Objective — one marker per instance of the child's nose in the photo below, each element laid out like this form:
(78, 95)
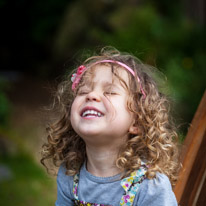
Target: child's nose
(93, 96)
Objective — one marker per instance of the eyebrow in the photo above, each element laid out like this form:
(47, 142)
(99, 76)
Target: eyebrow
(104, 83)
(112, 85)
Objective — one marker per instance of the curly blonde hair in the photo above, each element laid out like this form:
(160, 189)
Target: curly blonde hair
(155, 143)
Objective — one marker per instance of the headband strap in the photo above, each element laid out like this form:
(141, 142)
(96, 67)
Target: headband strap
(81, 69)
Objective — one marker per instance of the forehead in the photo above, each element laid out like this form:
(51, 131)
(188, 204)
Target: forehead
(108, 73)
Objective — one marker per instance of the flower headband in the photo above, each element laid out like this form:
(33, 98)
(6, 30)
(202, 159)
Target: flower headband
(76, 77)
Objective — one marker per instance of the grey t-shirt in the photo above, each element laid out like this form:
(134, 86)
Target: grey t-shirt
(108, 190)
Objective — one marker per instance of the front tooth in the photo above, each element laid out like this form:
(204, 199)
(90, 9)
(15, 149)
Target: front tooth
(85, 113)
(91, 112)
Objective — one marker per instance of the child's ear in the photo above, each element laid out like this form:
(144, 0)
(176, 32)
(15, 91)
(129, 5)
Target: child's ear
(133, 129)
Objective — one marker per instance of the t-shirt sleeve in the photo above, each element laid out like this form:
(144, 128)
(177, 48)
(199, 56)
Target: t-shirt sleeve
(64, 188)
(156, 192)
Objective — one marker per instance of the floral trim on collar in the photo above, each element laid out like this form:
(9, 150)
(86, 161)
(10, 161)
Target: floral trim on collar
(75, 185)
(82, 203)
(131, 185)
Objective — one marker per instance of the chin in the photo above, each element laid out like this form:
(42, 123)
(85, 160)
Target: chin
(88, 134)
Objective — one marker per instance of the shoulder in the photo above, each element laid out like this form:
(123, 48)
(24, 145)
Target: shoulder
(157, 191)
(64, 187)
(62, 177)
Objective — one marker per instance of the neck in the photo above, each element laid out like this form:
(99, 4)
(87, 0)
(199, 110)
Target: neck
(101, 162)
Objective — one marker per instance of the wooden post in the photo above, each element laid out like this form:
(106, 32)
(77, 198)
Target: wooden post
(192, 178)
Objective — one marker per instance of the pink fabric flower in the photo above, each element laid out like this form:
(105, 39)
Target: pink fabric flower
(80, 69)
(77, 76)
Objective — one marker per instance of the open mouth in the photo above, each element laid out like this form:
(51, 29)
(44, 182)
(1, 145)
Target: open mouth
(91, 113)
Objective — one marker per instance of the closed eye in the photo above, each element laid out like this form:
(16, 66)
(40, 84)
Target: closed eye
(111, 89)
(111, 93)
(83, 91)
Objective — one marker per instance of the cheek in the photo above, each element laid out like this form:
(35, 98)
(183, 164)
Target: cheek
(109, 106)
(72, 115)
(74, 109)
(124, 110)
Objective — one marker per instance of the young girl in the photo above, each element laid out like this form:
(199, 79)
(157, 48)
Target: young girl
(113, 137)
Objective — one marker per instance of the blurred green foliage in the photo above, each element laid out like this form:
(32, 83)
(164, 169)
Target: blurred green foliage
(5, 106)
(27, 184)
(22, 180)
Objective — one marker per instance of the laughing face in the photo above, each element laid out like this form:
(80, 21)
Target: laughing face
(99, 113)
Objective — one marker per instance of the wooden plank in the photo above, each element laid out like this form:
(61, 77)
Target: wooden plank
(193, 186)
(202, 197)
(191, 147)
